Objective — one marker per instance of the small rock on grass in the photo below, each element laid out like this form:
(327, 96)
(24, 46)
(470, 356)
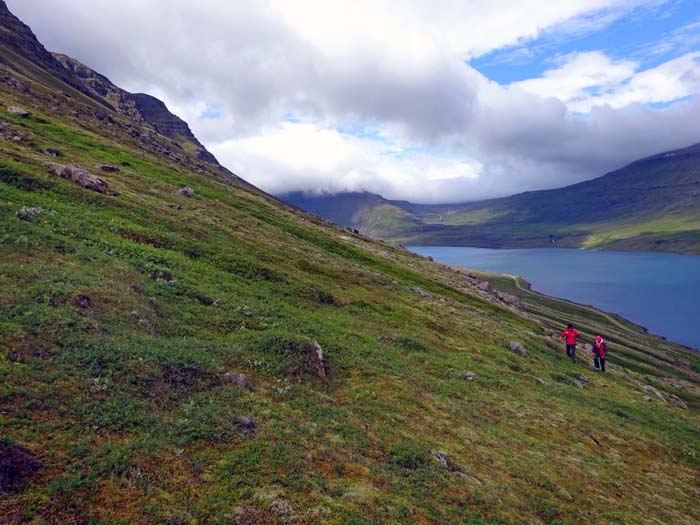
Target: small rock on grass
(18, 111)
(185, 191)
(469, 376)
(239, 379)
(26, 213)
(518, 348)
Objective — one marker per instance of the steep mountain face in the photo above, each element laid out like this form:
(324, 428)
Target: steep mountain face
(179, 347)
(23, 54)
(652, 204)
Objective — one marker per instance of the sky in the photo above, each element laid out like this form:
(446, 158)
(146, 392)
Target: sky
(423, 100)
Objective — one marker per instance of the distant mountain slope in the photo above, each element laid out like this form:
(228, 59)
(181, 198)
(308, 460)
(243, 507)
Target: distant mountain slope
(651, 204)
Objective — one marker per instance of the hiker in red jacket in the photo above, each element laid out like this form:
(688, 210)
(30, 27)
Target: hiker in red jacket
(570, 335)
(599, 353)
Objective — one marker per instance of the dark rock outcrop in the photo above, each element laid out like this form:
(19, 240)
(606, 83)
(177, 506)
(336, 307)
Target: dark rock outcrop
(17, 467)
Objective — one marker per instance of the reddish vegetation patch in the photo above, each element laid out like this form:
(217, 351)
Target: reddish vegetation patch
(143, 239)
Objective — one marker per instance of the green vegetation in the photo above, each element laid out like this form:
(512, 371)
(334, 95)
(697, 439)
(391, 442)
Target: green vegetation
(650, 205)
(125, 321)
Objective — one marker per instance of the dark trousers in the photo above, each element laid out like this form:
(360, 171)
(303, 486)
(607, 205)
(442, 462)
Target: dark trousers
(571, 352)
(599, 362)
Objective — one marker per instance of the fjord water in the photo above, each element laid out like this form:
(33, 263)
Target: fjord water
(660, 291)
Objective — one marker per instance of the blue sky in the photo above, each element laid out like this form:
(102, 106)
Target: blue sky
(649, 36)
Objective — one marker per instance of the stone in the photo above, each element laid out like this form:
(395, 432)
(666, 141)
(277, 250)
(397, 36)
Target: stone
(583, 378)
(578, 384)
(246, 423)
(446, 461)
(18, 111)
(518, 348)
(421, 292)
(282, 509)
(81, 177)
(51, 152)
(677, 402)
(316, 353)
(27, 213)
(469, 376)
(107, 168)
(510, 300)
(238, 379)
(648, 399)
(484, 286)
(185, 191)
(651, 390)
(17, 467)
(82, 301)
(541, 381)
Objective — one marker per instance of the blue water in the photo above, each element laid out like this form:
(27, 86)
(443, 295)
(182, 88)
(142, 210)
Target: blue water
(660, 291)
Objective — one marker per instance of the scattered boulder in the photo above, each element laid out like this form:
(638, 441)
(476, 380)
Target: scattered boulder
(648, 399)
(651, 390)
(107, 168)
(583, 378)
(677, 402)
(446, 461)
(510, 300)
(239, 379)
(316, 353)
(578, 384)
(51, 152)
(540, 381)
(484, 286)
(176, 206)
(282, 509)
(18, 111)
(81, 177)
(518, 348)
(26, 213)
(17, 467)
(246, 423)
(82, 301)
(421, 292)
(185, 191)
(469, 376)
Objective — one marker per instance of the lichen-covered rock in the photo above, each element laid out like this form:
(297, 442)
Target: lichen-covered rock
(185, 191)
(238, 379)
(18, 111)
(518, 348)
(316, 353)
(81, 177)
(651, 390)
(27, 213)
(469, 376)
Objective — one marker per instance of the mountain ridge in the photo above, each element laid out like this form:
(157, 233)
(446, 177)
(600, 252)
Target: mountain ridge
(650, 204)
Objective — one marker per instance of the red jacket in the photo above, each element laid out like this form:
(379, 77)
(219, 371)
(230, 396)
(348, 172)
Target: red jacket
(599, 348)
(570, 334)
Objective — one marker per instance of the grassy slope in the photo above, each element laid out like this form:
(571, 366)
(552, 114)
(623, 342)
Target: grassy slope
(651, 204)
(125, 403)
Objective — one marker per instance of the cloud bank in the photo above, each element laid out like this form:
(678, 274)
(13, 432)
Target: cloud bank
(379, 95)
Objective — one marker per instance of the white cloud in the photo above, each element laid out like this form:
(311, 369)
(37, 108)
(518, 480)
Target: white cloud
(587, 80)
(395, 66)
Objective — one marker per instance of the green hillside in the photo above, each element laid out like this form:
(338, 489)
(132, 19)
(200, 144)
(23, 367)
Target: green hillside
(651, 205)
(180, 348)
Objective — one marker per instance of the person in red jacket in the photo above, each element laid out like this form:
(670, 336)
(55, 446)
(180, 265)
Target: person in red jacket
(599, 353)
(570, 335)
